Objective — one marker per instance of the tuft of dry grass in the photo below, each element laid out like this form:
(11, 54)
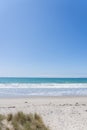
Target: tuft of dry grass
(21, 121)
(1, 117)
(9, 117)
(7, 128)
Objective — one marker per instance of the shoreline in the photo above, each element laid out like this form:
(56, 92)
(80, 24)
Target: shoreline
(27, 97)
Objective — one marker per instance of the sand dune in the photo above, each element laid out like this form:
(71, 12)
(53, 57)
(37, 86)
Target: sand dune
(59, 113)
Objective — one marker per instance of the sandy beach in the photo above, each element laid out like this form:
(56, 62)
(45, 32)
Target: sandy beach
(59, 113)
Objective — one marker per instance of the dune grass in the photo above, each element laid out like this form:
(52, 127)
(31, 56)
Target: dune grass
(21, 121)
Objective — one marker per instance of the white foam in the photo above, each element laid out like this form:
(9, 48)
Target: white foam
(44, 85)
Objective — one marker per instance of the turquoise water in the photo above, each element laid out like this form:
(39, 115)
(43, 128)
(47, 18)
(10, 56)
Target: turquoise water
(25, 87)
(43, 80)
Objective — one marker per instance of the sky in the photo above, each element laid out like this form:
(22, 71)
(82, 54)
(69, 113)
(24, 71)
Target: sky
(43, 38)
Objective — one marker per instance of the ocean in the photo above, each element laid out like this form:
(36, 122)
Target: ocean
(25, 87)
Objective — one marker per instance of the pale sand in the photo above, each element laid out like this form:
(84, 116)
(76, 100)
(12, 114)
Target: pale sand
(59, 113)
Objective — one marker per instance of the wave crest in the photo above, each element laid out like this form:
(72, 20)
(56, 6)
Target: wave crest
(44, 85)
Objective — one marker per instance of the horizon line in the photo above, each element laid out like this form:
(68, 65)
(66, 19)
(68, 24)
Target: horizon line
(36, 77)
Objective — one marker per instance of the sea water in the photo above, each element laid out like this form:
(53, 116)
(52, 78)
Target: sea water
(25, 87)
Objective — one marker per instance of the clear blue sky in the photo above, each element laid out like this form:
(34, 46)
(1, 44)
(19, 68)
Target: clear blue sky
(43, 38)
